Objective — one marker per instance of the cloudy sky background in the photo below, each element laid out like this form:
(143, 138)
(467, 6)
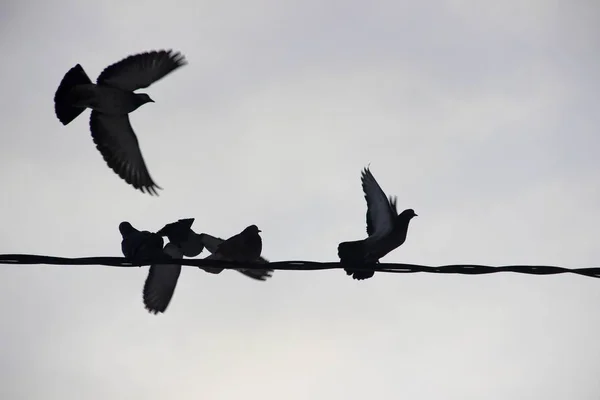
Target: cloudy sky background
(482, 116)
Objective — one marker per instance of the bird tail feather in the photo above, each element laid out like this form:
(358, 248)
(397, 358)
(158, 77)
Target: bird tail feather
(353, 254)
(63, 107)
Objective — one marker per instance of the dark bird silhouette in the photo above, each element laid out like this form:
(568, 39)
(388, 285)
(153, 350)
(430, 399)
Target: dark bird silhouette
(111, 99)
(161, 281)
(181, 234)
(243, 247)
(386, 229)
(162, 278)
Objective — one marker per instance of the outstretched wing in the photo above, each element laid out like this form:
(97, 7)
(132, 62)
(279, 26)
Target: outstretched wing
(115, 139)
(141, 70)
(380, 212)
(161, 282)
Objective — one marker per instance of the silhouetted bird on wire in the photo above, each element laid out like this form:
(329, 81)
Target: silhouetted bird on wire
(111, 99)
(180, 232)
(386, 229)
(162, 278)
(243, 247)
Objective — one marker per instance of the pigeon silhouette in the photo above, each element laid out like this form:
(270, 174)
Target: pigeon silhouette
(161, 281)
(139, 245)
(386, 229)
(111, 99)
(181, 234)
(243, 247)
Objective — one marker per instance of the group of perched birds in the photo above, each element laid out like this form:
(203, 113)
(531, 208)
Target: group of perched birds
(141, 246)
(111, 99)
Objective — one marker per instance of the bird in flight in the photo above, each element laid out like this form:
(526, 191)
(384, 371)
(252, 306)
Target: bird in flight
(386, 230)
(111, 99)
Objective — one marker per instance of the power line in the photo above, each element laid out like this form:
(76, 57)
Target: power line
(465, 269)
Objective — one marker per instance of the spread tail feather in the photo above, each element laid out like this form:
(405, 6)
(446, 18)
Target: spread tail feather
(353, 253)
(62, 100)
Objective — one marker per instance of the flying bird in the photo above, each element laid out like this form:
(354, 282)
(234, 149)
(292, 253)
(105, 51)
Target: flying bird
(111, 99)
(386, 229)
(243, 247)
(161, 281)
(181, 234)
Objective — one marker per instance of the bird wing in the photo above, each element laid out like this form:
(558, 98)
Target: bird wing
(241, 247)
(211, 243)
(161, 282)
(231, 247)
(173, 228)
(141, 70)
(115, 139)
(380, 214)
(181, 233)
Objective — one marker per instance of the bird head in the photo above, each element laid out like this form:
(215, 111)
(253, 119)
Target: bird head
(125, 228)
(408, 214)
(143, 98)
(252, 229)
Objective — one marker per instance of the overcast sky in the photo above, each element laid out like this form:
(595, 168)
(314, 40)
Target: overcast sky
(481, 116)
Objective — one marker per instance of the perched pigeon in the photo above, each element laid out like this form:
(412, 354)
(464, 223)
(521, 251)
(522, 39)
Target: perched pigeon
(386, 229)
(161, 281)
(139, 245)
(111, 99)
(181, 234)
(245, 246)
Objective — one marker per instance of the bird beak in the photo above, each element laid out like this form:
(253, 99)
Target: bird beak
(152, 101)
(416, 215)
(259, 230)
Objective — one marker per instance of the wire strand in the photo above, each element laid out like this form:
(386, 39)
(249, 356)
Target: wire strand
(466, 269)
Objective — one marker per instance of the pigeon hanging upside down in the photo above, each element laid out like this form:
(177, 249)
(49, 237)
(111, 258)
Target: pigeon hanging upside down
(111, 99)
(386, 229)
(160, 284)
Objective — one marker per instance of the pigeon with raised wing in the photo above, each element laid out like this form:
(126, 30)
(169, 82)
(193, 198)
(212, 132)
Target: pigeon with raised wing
(111, 99)
(243, 247)
(161, 281)
(386, 229)
(181, 234)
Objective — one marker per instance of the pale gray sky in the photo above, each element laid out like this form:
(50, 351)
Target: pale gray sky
(482, 116)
